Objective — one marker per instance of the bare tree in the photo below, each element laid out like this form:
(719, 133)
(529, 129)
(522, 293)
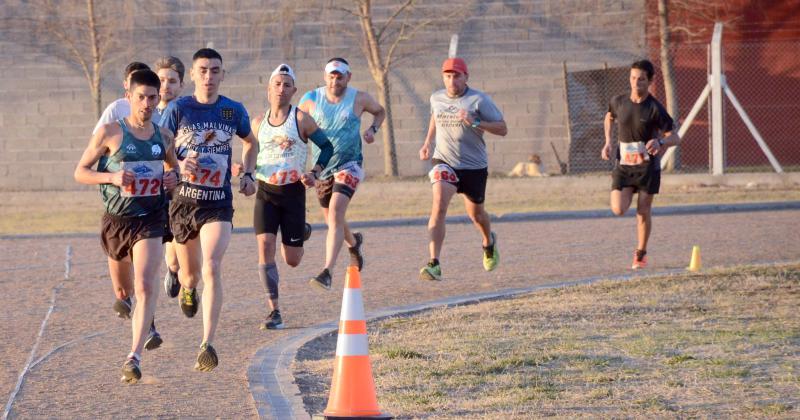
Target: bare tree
(86, 33)
(381, 40)
(668, 75)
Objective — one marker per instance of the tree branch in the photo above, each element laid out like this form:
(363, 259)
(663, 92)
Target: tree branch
(391, 19)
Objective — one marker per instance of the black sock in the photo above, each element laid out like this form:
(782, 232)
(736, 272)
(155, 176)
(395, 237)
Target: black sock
(640, 253)
(433, 262)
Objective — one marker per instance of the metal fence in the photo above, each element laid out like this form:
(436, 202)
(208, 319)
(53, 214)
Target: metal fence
(763, 77)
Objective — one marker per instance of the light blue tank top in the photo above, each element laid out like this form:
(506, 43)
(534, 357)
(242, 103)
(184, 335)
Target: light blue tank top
(341, 125)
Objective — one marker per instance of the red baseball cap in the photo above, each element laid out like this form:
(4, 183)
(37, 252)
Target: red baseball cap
(455, 64)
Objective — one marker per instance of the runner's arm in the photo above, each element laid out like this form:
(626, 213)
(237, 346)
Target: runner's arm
(310, 131)
(424, 151)
(498, 128)
(605, 153)
(171, 165)
(97, 148)
(369, 104)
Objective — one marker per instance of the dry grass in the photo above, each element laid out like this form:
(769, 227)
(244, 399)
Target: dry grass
(80, 211)
(718, 344)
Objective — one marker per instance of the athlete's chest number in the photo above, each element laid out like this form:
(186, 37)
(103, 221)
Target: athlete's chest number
(284, 177)
(633, 153)
(142, 187)
(208, 177)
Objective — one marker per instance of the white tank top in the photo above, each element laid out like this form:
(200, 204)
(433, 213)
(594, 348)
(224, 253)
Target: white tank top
(282, 153)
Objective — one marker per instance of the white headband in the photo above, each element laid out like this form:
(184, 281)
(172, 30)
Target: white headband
(337, 66)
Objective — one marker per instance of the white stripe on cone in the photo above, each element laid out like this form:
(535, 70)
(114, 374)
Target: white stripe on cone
(352, 345)
(352, 306)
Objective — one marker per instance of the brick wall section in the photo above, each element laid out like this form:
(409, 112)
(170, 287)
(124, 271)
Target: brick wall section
(515, 51)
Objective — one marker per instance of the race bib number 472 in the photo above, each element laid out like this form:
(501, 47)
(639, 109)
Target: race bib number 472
(212, 168)
(633, 153)
(148, 178)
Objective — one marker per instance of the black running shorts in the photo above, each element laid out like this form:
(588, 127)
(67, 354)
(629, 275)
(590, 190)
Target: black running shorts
(326, 188)
(119, 234)
(645, 178)
(471, 182)
(281, 207)
(185, 220)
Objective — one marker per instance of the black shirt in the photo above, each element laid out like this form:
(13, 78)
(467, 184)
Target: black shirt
(639, 121)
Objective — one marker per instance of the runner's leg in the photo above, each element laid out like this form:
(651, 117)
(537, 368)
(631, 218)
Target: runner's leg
(121, 277)
(336, 224)
(191, 259)
(442, 194)
(215, 237)
(480, 218)
(621, 200)
(147, 254)
(644, 220)
(266, 257)
(171, 257)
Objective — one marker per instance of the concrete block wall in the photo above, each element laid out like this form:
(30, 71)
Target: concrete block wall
(514, 49)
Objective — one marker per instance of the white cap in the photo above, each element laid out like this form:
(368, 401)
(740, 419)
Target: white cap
(283, 69)
(337, 66)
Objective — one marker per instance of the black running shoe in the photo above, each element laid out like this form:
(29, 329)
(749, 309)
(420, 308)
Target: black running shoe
(153, 340)
(322, 280)
(307, 232)
(356, 253)
(123, 308)
(207, 358)
(274, 321)
(131, 373)
(171, 284)
(187, 300)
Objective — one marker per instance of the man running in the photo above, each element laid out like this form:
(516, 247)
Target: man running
(201, 210)
(280, 170)
(459, 117)
(136, 164)
(120, 108)
(644, 132)
(170, 71)
(337, 109)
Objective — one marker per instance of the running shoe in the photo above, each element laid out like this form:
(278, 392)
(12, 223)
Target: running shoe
(207, 358)
(491, 256)
(187, 300)
(307, 232)
(356, 253)
(171, 284)
(639, 259)
(432, 271)
(274, 321)
(123, 308)
(131, 372)
(153, 340)
(322, 280)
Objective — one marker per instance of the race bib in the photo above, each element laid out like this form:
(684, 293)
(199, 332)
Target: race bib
(148, 178)
(443, 172)
(350, 174)
(212, 169)
(283, 177)
(633, 153)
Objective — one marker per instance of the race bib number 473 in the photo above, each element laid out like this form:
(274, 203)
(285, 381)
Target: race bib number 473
(350, 175)
(211, 171)
(633, 153)
(148, 178)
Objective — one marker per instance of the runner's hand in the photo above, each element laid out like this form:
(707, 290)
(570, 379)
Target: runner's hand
(247, 186)
(189, 165)
(308, 179)
(123, 178)
(237, 169)
(425, 152)
(464, 116)
(169, 180)
(653, 147)
(606, 152)
(369, 136)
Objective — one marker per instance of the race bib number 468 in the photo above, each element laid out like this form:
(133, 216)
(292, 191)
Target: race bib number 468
(350, 175)
(148, 178)
(211, 171)
(633, 153)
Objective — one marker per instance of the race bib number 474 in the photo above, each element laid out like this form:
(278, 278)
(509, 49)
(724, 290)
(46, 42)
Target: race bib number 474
(211, 171)
(148, 178)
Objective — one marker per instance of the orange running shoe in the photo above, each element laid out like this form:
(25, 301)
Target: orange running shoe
(639, 259)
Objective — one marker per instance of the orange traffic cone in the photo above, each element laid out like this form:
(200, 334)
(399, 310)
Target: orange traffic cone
(695, 263)
(352, 389)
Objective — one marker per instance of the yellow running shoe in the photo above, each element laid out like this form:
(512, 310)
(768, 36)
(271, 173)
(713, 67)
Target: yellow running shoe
(491, 256)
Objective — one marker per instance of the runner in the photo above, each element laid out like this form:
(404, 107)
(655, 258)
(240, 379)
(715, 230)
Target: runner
(136, 164)
(459, 117)
(337, 109)
(645, 132)
(281, 199)
(201, 210)
(120, 108)
(170, 71)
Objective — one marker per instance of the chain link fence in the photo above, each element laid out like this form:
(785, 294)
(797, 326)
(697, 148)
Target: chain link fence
(764, 77)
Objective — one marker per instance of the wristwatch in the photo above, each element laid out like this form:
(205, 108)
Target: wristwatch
(249, 175)
(660, 142)
(476, 122)
(374, 129)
